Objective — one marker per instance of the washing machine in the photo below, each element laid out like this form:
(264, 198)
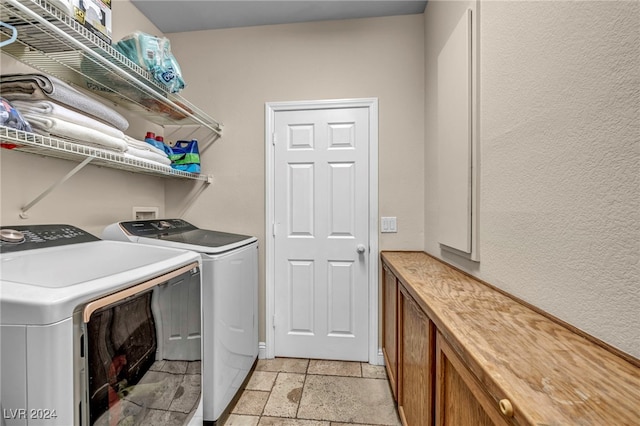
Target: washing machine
(89, 327)
(229, 302)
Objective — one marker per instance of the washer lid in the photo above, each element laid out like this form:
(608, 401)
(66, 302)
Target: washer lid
(43, 286)
(208, 242)
(210, 239)
(177, 233)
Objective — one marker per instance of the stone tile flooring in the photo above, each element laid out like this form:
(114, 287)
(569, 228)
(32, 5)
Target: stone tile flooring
(302, 392)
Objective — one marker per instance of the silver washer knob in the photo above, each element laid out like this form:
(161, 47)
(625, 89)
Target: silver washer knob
(11, 236)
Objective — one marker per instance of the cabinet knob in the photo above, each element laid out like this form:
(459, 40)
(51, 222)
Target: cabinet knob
(506, 407)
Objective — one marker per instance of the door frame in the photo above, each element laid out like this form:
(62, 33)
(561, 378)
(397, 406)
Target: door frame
(271, 108)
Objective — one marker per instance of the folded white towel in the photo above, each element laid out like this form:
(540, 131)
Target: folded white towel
(144, 146)
(51, 126)
(148, 155)
(52, 109)
(131, 156)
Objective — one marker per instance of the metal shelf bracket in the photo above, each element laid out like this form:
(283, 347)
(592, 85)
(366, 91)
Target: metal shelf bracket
(23, 212)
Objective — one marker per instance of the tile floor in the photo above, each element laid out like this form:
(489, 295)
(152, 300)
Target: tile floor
(302, 392)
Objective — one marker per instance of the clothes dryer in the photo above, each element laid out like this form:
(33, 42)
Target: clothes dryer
(229, 302)
(86, 327)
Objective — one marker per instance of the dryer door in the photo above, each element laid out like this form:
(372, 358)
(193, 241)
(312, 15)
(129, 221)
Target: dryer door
(143, 350)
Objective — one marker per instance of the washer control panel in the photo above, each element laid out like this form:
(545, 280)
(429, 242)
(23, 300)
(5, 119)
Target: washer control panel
(29, 237)
(156, 228)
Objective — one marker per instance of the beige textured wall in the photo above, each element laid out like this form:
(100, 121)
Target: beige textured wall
(232, 73)
(560, 165)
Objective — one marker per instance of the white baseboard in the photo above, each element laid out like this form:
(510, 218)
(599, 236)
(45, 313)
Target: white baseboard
(262, 354)
(262, 350)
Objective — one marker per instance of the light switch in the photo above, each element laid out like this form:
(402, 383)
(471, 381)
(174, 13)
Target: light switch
(389, 224)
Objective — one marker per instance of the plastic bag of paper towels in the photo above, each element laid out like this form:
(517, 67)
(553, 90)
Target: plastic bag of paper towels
(153, 54)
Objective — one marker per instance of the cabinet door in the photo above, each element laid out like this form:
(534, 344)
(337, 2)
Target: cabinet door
(416, 364)
(460, 398)
(390, 327)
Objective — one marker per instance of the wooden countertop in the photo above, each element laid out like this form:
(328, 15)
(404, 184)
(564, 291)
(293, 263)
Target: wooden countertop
(551, 374)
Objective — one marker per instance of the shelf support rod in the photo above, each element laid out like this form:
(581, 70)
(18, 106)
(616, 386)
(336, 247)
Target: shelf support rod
(208, 143)
(193, 197)
(75, 170)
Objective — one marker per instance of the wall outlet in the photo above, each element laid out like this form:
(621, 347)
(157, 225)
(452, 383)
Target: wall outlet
(145, 213)
(389, 224)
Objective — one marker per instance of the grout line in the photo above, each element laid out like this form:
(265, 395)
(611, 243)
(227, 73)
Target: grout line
(273, 385)
(304, 383)
(341, 375)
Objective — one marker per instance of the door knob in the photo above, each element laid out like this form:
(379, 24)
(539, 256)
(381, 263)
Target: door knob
(361, 248)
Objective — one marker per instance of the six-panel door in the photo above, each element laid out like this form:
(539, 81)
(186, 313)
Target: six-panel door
(321, 233)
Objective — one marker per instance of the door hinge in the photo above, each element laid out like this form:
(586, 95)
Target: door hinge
(273, 229)
(274, 321)
(274, 138)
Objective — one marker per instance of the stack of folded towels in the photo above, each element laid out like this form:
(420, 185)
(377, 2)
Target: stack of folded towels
(53, 108)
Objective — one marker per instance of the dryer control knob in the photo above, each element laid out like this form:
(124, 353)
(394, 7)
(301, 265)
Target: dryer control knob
(11, 236)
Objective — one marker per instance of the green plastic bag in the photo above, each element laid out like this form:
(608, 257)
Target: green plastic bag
(185, 156)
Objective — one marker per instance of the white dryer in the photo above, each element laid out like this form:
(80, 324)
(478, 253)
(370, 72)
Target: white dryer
(82, 324)
(229, 302)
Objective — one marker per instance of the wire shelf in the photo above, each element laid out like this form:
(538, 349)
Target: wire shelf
(57, 44)
(68, 149)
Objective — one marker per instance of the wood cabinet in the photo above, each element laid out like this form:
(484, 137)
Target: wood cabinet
(408, 348)
(390, 329)
(429, 381)
(461, 353)
(416, 363)
(460, 398)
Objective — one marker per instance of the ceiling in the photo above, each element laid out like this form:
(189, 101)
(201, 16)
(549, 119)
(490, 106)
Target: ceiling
(194, 15)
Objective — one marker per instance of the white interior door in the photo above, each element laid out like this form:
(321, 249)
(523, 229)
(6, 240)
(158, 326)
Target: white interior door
(321, 233)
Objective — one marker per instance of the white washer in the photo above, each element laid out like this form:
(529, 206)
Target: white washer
(229, 301)
(49, 274)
